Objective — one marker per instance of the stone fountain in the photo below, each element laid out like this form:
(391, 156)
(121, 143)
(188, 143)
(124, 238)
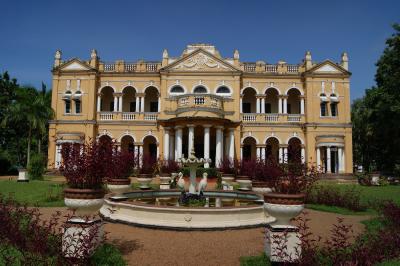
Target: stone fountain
(192, 162)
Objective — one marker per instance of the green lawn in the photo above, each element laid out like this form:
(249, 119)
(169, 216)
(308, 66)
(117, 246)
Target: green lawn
(34, 193)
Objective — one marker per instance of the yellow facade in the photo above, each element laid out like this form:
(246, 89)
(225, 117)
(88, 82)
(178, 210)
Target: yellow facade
(222, 107)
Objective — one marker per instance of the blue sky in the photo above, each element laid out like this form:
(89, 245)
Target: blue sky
(131, 30)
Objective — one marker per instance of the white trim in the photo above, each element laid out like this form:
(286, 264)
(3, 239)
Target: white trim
(101, 88)
(275, 137)
(200, 85)
(149, 86)
(291, 137)
(149, 135)
(272, 87)
(177, 93)
(245, 137)
(126, 134)
(105, 133)
(293, 87)
(122, 90)
(224, 94)
(243, 89)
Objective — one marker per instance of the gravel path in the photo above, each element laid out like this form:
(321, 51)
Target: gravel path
(142, 246)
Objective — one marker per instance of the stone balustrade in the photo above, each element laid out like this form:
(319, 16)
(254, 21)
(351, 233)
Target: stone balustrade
(271, 118)
(126, 116)
(268, 68)
(121, 66)
(195, 101)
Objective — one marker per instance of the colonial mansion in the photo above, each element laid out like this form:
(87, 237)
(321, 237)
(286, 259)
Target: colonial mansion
(221, 107)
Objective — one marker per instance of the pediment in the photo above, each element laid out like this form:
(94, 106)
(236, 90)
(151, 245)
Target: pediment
(328, 67)
(75, 65)
(201, 61)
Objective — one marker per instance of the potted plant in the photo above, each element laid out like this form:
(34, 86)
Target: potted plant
(266, 171)
(287, 198)
(245, 172)
(227, 170)
(121, 166)
(167, 168)
(146, 171)
(84, 167)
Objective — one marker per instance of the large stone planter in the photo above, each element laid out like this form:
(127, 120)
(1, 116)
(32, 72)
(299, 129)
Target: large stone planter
(260, 187)
(144, 181)
(84, 202)
(283, 207)
(165, 180)
(228, 178)
(23, 175)
(244, 182)
(119, 185)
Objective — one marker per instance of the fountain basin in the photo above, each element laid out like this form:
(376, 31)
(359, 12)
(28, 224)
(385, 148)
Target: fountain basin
(123, 209)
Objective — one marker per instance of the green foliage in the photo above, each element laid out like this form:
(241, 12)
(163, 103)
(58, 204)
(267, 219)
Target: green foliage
(107, 254)
(40, 193)
(376, 116)
(261, 260)
(36, 167)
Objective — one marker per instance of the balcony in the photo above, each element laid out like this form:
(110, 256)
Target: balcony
(261, 67)
(126, 116)
(121, 66)
(271, 118)
(200, 101)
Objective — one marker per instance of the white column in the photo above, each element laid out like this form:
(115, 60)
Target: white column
(302, 106)
(136, 152)
(218, 148)
(318, 158)
(258, 105)
(206, 144)
(137, 109)
(159, 104)
(263, 105)
(285, 155)
(171, 146)
(328, 159)
(263, 153)
(231, 150)
(98, 103)
(166, 143)
(258, 153)
(142, 104)
(190, 138)
(115, 104)
(140, 155)
(120, 103)
(280, 105)
(241, 152)
(343, 161)
(340, 159)
(303, 155)
(241, 104)
(158, 151)
(285, 105)
(178, 142)
(280, 155)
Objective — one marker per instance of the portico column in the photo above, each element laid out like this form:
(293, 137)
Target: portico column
(258, 152)
(241, 104)
(120, 103)
(285, 105)
(263, 105)
(241, 152)
(219, 147)
(166, 143)
(190, 138)
(136, 153)
(285, 154)
(280, 105)
(262, 153)
(115, 104)
(98, 103)
(142, 104)
(140, 155)
(343, 160)
(302, 105)
(303, 154)
(231, 151)
(159, 105)
(206, 144)
(137, 108)
(171, 146)
(328, 159)
(258, 105)
(178, 142)
(318, 158)
(340, 159)
(280, 155)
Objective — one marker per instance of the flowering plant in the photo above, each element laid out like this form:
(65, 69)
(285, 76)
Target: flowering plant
(121, 164)
(169, 167)
(149, 165)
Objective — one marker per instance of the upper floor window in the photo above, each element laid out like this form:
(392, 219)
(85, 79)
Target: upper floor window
(323, 109)
(67, 106)
(334, 111)
(223, 91)
(176, 90)
(78, 107)
(200, 89)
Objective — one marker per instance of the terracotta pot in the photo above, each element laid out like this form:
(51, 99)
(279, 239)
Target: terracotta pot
(283, 207)
(84, 201)
(119, 185)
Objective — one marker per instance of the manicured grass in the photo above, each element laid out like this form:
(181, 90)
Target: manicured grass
(34, 193)
(261, 260)
(339, 210)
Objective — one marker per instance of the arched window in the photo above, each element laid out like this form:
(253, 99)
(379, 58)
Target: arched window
(78, 106)
(67, 106)
(323, 109)
(200, 89)
(334, 110)
(223, 91)
(177, 90)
